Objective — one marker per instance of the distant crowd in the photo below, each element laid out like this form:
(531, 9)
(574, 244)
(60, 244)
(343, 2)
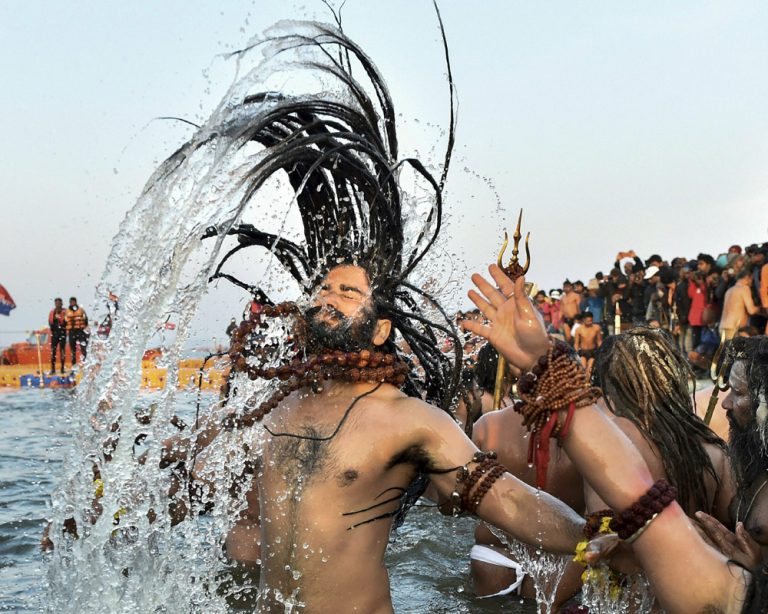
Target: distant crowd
(699, 301)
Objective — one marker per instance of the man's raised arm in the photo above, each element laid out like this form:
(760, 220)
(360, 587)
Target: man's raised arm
(531, 516)
(686, 574)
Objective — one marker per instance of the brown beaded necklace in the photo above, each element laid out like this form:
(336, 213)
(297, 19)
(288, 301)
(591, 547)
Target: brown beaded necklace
(364, 366)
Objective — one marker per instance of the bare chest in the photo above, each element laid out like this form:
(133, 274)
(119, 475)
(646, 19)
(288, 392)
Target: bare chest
(757, 520)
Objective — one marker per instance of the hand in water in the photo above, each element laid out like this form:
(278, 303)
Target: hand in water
(738, 546)
(609, 549)
(516, 328)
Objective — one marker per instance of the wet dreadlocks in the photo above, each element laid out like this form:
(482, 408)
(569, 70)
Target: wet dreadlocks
(646, 379)
(341, 158)
(340, 155)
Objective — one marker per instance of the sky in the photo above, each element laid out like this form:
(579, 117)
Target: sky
(615, 126)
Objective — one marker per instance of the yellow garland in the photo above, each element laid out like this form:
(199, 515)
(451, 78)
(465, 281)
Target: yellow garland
(599, 575)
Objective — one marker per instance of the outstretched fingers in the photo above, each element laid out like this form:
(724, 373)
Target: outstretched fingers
(721, 537)
(488, 310)
(492, 295)
(476, 328)
(511, 289)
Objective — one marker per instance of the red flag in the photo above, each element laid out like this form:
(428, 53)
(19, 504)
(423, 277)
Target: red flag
(6, 302)
(169, 326)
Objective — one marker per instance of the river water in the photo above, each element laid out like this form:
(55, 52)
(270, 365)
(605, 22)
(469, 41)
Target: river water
(427, 561)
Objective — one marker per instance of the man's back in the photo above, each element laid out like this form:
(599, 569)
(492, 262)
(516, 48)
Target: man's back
(734, 307)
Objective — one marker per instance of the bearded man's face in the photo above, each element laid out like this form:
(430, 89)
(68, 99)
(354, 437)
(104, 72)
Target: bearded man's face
(342, 316)
(747, 450)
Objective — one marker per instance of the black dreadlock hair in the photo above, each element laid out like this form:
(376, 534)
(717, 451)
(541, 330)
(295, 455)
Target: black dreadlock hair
(646, 379)
(341, 161)
(340, 154)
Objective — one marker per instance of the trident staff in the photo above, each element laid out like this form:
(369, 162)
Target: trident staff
(718, 377)
(514, 270)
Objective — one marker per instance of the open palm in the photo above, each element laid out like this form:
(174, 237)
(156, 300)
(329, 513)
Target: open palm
(515, 328)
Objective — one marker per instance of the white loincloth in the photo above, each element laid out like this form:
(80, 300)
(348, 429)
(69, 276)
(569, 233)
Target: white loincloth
(484, 554)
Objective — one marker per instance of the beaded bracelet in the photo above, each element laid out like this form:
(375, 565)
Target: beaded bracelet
(555, 382)
(597, 522)
(483, 476)
(485, 485)
(633, 521)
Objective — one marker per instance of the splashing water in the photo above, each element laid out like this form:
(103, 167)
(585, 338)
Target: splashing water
(545, 570)
(124, 553)
(602, 597)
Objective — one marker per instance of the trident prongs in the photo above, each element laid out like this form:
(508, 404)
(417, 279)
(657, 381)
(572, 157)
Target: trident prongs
(718, 378)
(513, 271)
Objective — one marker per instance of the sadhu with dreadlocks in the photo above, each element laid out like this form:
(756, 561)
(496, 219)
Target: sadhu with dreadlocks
(646, 383)
(351, 429)
(686, 573)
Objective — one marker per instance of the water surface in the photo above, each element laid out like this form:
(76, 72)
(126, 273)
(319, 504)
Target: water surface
(428, 560)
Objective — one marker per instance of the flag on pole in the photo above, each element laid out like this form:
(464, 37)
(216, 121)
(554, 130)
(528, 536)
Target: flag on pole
(6, 302)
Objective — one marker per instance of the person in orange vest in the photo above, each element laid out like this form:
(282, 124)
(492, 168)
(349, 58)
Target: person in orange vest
(77, 327)
(57, 322)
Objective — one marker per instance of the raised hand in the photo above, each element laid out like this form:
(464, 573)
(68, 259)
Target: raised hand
(516, 328)
(738, 546)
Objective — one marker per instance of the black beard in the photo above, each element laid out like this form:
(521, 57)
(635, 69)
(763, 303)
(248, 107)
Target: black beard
(346, 334)
(748, 457)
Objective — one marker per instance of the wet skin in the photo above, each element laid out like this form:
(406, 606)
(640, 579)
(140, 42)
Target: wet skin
(319, 500)
(503, 432)
(670, 550)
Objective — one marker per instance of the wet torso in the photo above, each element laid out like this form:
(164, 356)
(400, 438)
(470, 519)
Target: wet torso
(327, 500)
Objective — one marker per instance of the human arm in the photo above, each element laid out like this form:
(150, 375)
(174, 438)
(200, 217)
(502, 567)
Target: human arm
(749, 304)
(510, 504)
(670, 550)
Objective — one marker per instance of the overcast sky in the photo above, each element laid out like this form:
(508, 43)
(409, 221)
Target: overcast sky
(615, 125)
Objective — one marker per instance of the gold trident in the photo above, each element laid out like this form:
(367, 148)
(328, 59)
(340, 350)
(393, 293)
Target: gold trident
(514, 271)
(718, 378)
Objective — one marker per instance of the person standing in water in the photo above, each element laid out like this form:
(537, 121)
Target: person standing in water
(57, 322)
(353, 429)
(77, 327)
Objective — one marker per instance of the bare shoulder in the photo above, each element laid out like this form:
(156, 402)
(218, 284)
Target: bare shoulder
(410, 410)
(631, 430)
(497, 427)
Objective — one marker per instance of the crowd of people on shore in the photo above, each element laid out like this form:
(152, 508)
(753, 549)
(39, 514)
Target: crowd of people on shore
(699, 301)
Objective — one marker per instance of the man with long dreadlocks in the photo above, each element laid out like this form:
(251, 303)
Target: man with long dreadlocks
(350, 430)
(686, 574)
(646, 385)
(746, 411)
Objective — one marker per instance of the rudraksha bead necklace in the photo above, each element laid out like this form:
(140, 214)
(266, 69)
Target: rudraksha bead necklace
(364, 366)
